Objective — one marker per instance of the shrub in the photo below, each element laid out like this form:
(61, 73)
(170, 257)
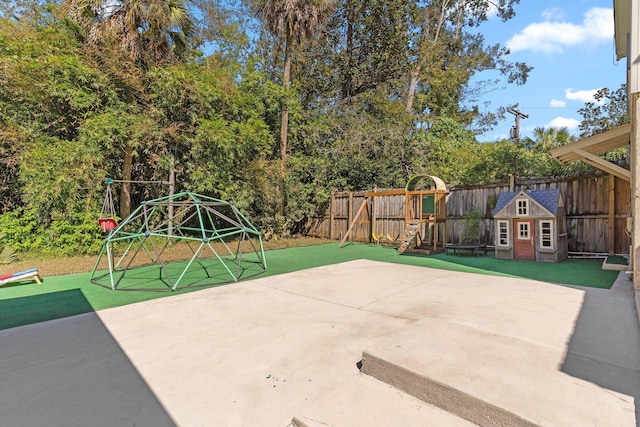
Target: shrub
(67, 235)
(473, 221)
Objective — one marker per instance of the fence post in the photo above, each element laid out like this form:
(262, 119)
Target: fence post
(374, 218)
(332, 213)
(612, 214)
(350, 212)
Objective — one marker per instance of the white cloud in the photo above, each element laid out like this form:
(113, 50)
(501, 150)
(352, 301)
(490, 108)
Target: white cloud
(555, 34)
(528, 129)
(564, 122)
(552, 13)
(580, 95)
(556, 103)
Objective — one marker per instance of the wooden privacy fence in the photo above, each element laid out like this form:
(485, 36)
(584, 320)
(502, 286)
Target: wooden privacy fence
(597, 210)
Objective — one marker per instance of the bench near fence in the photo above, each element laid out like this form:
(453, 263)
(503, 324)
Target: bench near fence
(472, 247)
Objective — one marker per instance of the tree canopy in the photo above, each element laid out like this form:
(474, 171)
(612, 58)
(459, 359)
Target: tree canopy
(374, 92)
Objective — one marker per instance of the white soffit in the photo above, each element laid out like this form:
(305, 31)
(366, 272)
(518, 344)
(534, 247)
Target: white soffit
(622, 18)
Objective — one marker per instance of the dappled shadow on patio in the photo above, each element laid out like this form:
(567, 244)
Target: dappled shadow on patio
(605, 346)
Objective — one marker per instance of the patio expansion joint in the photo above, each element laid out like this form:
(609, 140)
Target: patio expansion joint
(361, 308)
(603, 363)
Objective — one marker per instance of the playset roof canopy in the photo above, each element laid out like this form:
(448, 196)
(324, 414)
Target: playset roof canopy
(414, 183)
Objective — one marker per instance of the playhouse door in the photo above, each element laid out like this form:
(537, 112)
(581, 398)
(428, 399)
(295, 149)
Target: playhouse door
(523, 239)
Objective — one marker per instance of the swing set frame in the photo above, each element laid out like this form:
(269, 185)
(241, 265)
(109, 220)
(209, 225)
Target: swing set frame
(424, 214)
(108, 218)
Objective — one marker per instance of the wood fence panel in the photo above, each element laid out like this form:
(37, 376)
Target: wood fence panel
(319, 226)
(362, 225)
(389, 216)
(622, 208)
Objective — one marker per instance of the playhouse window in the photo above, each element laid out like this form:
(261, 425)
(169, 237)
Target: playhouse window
(523, 231)
(546, 234)
(522, 207)
(503, 233)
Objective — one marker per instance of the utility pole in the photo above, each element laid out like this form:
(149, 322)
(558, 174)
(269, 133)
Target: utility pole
(515, 131)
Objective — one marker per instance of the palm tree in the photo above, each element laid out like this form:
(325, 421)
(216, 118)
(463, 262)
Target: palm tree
(129, 37)
(293, 20)
(150, 32)
(544, 139)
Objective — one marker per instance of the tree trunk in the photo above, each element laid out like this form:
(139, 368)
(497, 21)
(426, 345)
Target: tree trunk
(347, 85)
(125, 191)
(413, 84)
(284, 123)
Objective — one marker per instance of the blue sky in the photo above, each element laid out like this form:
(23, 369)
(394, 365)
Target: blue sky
(570, 45)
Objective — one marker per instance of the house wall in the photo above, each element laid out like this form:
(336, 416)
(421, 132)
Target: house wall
(631, 43)
(547, 256)
(504, 253)
(635, 191)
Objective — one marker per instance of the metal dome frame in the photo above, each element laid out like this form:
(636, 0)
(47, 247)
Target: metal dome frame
(228, 248)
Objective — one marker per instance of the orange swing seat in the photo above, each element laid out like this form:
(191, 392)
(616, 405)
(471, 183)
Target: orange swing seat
(107, 220)
(107, 224)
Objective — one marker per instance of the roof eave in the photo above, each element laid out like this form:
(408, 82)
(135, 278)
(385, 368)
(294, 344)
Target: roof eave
(622, 25)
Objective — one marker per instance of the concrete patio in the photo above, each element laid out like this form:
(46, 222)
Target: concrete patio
(358, 343)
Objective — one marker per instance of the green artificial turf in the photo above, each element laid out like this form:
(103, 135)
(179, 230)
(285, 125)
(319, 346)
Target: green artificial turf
(616, 259)
(62, 296)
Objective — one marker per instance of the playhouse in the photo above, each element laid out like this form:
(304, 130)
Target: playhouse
(531, 225)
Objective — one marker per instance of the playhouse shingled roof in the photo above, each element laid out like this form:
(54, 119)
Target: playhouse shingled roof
(549, 199)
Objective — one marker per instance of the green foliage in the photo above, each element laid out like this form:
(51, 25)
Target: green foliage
(275, 227)
(19, 229)
(46, 89)
(81, 101)
(366, 143)
(11, 146)
(377, 50)
(225, 27)
(607, 111)
(69, 235)
(8, 255)
(307, 189)
(473, 222)
(448, 151)
(58, 177)
(78, 233)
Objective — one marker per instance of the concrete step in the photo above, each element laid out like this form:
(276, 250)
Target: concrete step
(492, 379)
(365, 401)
